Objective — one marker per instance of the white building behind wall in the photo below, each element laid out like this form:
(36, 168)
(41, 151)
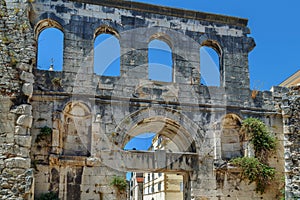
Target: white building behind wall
(163, 186)
(136, 186)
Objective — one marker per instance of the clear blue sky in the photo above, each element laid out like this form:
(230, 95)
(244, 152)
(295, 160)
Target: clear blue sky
(274, 25)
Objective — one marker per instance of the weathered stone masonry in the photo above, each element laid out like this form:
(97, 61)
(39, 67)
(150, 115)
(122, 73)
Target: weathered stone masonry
(291, 117)
(92, 117)
(16, 79)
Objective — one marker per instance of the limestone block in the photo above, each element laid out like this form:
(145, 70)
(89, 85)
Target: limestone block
(25, 120)
(17, 162)
(27, 89)
(24, 66)
(19, 130)
(10, 138)
(27, 77)
(5, 104)
(24, 109)
(6, 126)
(22, 151)
(24, 141)
(55, 138)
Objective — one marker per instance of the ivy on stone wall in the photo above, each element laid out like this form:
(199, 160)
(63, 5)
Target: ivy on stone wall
(256, 169)
(260, 137)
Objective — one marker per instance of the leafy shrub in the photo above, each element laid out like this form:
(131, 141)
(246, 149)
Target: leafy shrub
(46, 131)
(255, 171)
(119, 182)
(257, 132)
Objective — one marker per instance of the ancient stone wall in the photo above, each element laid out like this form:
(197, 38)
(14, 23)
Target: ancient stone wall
(291, 120)
(115, 109)
(17, 56)
(71, 126)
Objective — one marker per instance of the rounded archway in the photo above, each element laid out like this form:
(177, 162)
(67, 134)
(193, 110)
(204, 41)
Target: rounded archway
(173, 144)
(163, 127)
(76, 129)
(185, 133)
(231, 140)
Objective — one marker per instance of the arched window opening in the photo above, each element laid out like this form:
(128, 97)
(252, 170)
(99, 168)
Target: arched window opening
(209, 67)
(160, 61)
(107, 55)
(231, 140)
(76, 130)
(50, 49)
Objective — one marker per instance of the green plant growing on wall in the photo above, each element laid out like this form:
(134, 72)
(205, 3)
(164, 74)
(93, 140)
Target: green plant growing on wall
(119, 182)
(256, 169)
(259, 136)
(46, 131)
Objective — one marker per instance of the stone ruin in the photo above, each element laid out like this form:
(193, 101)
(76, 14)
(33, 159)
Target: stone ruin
(64, 131)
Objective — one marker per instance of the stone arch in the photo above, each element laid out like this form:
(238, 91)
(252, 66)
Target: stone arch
(187, 135)
(231, 140)
(76, 129)
(163, 37)
(108, 30)
(214, 45)
(46, 23)
(179, 128)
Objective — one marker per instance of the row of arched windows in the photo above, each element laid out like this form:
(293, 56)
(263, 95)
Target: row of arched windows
(107, 57)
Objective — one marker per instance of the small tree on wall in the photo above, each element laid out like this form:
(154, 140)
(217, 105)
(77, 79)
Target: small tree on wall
(119, 182)
(256, 169)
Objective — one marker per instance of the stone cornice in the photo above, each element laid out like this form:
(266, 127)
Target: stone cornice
(168, 11)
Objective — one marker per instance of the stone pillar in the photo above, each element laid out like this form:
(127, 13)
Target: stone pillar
(291, 126)
(134, 55)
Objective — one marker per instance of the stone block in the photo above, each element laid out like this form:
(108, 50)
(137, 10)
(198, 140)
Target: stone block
(55, 138)
(17, 162)
(6, 126)
(20, 130)
(25, 120)
(24, 109)
(27, 89)
(24, 141)
(27, 77)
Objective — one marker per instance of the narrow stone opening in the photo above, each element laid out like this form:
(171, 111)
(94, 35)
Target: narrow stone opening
(160, 65)
(50, 49)
(209, 67)
(107, 55)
